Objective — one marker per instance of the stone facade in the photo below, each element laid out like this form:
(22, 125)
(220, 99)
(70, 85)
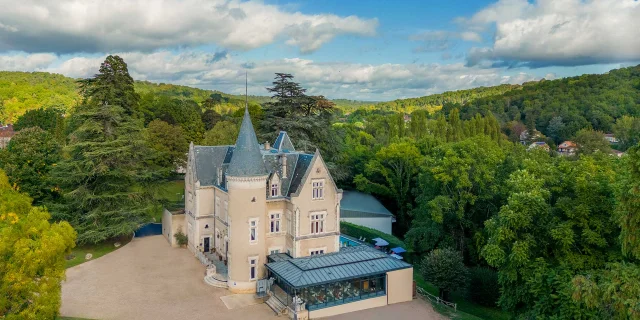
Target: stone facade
(249, 200)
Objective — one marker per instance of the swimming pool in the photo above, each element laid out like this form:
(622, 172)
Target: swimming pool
(346, 241)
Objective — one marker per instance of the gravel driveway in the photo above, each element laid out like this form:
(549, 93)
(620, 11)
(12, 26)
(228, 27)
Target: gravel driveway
(147, 279)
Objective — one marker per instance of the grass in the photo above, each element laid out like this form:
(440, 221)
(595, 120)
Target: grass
(170, 192)
(467, 310)
(96, 250)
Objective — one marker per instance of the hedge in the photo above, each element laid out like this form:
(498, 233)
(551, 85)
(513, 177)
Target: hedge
(357, 231)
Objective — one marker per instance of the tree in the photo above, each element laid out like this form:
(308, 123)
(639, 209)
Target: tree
(590, 141)
(30, 156)
(555, 129)
(32, 251)
(209, 118)
(112, 85)
(306, 119)
(108, 170)
(445, 269)
(50, 119)
(169, 142)
(627, 131)
(223, 133)
(457, 191)
(614, 292)
(628, 209)
(391, 174)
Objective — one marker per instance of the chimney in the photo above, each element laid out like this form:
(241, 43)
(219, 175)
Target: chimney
(283, 162)
(266, 145)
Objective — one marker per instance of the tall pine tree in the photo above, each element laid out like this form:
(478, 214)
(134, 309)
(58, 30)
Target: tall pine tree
(108, 171)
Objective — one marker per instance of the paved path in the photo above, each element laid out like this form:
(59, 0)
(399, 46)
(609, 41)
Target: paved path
(147, 279)
(416, 309)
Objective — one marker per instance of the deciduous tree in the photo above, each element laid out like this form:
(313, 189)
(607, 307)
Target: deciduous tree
(32, 257)
(445, 269)
(28, 160)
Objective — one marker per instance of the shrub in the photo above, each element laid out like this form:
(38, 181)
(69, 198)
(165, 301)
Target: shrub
(483, 286)
(445, 269)
(357, 231)
(181, 238)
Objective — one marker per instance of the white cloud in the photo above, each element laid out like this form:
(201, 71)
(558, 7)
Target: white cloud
(69, 26)
(21, 62)
(333, 79)
(558, 32)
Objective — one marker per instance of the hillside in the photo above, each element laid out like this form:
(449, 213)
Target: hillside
(590, 100)
(23, 91)
(436, 101)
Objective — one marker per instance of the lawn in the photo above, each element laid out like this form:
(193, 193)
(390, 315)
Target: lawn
(171, 194)
(467, 310)
(97, 250)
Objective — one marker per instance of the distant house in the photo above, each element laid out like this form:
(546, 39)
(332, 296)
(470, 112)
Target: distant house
(567, 148)
(539, 144)
(526, 137)
(6, 133)
(365, 210)
(611, 138)
(617, 153)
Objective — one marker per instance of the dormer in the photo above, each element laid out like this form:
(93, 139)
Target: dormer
(274, 186)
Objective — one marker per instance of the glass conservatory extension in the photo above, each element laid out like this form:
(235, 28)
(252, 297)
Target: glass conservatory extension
(321, 281)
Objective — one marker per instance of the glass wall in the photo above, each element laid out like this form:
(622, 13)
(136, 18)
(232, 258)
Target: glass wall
(331, 294)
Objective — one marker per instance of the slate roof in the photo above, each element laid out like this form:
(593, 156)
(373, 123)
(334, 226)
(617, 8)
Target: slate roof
(358, 204)
(208, 160)
(283, 143)
(246, 160)
(348, 263)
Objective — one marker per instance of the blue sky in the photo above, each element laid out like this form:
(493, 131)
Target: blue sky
(366, 50)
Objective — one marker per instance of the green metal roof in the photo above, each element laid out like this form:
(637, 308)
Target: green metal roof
(358, 204)
(348, 263)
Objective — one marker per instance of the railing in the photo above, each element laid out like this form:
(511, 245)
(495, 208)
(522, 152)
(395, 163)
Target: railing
(436, 299)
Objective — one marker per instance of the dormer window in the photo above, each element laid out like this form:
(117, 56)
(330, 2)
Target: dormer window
(274, 190)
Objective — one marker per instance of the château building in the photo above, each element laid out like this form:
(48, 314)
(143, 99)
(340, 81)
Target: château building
(271, 213)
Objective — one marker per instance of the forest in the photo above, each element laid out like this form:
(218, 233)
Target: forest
(529, 232)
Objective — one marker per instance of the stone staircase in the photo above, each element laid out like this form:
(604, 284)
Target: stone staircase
(212, 281)
(276, 305)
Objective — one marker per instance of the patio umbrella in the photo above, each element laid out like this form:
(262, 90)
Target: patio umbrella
(398, 250)
(381, 242)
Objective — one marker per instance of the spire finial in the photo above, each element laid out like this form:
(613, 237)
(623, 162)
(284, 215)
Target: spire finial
(246, 95)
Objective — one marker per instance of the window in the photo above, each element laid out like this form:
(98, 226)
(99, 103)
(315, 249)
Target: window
(314, 252)
(274, 189)
(253, 262)
(253, 231)
(275, 251)
(317, 223)
(318, 189)
(275, 222)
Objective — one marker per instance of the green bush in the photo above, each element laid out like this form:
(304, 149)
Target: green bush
(357, 231)
(483, 286)
(181, 238)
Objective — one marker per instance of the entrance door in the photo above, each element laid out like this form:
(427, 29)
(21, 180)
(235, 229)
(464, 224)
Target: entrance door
(206, 243)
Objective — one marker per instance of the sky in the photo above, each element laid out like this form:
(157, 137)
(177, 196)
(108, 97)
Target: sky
(374, 50)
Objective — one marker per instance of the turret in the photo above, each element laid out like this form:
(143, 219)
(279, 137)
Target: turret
(246, 186)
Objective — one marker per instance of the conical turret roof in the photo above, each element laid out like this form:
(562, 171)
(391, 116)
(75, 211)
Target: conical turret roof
(247, 159)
